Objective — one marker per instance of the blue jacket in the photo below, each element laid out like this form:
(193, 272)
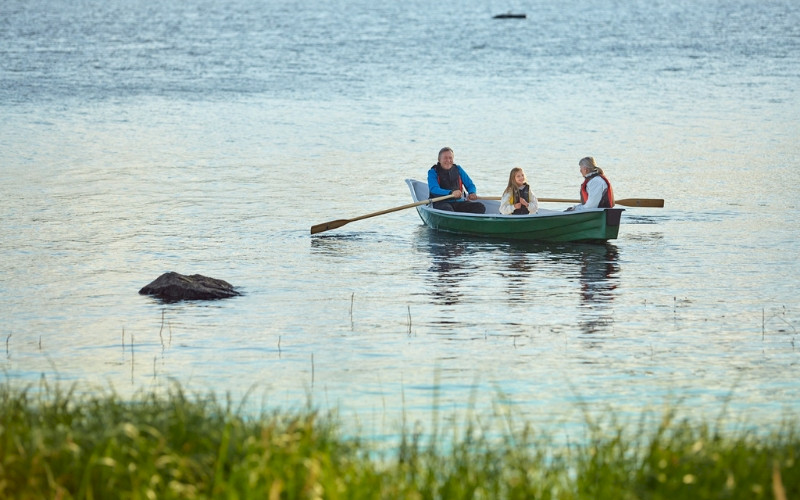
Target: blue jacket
(436, 190)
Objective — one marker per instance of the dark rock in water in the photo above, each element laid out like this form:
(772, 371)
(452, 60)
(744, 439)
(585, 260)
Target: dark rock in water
(172, 287)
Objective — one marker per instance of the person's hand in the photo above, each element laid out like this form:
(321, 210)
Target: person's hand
(457, 194)
(472, 197)
(517, 205)
(523, 202)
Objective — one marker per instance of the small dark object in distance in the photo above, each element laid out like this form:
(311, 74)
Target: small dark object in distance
(172, 287)
(510, 16)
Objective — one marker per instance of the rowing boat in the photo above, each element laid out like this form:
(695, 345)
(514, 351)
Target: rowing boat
(595, 225)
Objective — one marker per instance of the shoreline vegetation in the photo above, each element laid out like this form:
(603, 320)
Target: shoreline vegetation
(56, 443)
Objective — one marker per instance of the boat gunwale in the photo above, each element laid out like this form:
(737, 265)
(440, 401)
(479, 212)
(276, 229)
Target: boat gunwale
(537, 215)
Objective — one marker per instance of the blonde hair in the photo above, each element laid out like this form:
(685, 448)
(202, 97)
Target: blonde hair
(512, 186)
(591, 165)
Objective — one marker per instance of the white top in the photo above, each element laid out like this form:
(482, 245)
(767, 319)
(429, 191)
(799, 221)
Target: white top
(506, 208)
(595, 187)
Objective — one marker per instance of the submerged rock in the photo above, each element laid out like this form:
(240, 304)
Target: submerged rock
(172, 287)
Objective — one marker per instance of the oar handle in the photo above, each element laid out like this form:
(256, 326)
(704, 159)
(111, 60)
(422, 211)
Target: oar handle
(554, 200)
(403, 207)
(628, 202)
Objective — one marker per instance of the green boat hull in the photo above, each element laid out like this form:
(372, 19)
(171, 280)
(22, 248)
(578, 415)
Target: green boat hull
(600, 225)
(547, 225)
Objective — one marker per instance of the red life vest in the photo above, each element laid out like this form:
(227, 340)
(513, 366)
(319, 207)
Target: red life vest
(607, 201)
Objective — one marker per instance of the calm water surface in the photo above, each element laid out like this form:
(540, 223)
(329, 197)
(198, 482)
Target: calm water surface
(199, 137)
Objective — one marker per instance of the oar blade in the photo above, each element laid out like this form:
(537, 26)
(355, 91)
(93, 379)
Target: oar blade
(325, 226)
(641, 202)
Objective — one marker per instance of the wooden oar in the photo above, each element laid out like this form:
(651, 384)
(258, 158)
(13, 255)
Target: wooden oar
(628, 202)
(341, 222)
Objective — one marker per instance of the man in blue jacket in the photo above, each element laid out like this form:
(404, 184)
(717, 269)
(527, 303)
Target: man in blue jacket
(448, 178)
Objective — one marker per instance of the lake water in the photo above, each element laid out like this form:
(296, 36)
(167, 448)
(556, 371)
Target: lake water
(208, 137)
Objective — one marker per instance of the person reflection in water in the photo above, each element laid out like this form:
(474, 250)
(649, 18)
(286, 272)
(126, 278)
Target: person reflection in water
(448, 178)
(598, 280)
(518, 198)
(447, 271)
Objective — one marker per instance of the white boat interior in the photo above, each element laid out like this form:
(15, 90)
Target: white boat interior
(419, 192)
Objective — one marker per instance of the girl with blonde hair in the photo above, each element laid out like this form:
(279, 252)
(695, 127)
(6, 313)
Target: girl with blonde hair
(518, 198)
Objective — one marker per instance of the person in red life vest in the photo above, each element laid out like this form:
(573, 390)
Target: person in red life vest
(448, 178)
(518, 198)
(596, 191)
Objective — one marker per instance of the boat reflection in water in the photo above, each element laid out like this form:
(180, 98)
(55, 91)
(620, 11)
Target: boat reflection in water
(554, 268)
(540, 276)
(451, 263)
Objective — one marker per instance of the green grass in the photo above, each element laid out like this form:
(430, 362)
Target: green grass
(59, 444)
